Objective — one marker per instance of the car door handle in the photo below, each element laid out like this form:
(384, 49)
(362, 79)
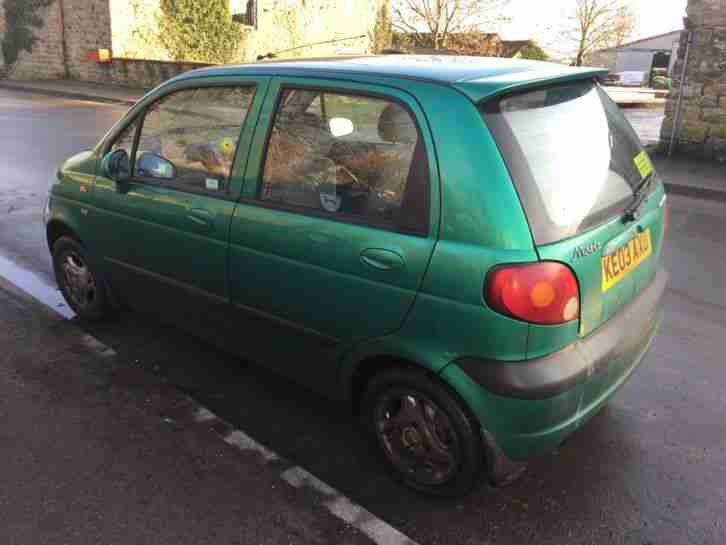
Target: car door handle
(381, 259)
(201, 217)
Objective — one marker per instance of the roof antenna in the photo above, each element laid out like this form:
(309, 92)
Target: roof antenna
(274, 55)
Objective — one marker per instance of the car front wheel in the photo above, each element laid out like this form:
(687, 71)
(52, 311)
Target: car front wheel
(78, 280)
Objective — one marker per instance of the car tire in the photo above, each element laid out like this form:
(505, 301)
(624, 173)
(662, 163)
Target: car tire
(79, 281)
(423, 432)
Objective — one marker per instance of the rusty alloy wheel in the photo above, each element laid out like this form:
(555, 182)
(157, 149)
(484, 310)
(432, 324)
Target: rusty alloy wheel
(79, 280)
(417, 436)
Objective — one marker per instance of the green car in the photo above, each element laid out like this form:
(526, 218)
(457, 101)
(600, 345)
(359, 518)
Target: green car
(465, 249)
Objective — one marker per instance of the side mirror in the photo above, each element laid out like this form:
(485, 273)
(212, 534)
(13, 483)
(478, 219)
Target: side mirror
(115, 165)
(341, 126)
(152, 165)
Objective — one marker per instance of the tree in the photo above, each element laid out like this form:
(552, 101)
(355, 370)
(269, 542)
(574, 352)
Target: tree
(381, 34)
(533, 52)
(429, 23)
(598, 24)
(191, 30)
(20, 19)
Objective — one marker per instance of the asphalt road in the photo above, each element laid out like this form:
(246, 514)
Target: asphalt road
(649, 469)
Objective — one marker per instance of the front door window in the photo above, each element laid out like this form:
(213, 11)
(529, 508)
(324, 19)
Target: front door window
(189, 138)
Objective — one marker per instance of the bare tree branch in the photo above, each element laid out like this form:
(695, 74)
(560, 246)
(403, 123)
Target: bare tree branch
(430, 22)
(597, 24)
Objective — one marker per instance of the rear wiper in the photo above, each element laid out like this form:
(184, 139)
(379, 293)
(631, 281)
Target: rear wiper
(640, 195)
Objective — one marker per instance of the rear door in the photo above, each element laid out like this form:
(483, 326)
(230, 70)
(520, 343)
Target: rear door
(334, 232)
(576, 163)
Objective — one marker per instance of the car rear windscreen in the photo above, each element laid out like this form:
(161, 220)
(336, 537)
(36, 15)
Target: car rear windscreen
(571, 154)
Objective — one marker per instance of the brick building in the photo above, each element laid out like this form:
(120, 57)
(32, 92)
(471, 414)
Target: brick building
(70, 30)
(74, 30)
(269, 25)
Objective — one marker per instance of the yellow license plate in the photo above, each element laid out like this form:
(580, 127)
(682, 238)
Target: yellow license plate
(620, 263)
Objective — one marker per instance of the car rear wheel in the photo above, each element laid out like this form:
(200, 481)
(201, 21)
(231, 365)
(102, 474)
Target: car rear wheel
(424, 433)
(78, 280)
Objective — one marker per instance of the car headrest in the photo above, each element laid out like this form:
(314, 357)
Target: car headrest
(396, 126)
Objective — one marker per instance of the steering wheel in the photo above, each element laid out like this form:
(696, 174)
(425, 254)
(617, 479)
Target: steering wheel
(346, 192)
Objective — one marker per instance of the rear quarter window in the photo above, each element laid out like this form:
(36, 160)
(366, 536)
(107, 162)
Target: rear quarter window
(570, 152)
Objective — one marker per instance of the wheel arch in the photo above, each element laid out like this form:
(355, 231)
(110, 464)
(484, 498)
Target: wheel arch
(365, 369)
(57, 228)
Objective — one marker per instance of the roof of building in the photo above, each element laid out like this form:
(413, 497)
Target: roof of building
(511, 47)
(641, 40)
(478, 77)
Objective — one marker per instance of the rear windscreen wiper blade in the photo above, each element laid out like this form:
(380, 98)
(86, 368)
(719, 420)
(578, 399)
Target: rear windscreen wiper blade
(640, 195)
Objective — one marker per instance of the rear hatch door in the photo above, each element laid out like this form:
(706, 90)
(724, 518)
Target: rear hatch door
(580, 171)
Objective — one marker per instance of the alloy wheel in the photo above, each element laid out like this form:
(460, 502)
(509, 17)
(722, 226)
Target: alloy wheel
(417, 436)
(79, 281)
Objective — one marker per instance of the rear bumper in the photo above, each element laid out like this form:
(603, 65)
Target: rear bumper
(530, 407)
(622, 337)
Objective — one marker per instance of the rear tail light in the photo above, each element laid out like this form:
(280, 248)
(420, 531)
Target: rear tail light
(540, 293)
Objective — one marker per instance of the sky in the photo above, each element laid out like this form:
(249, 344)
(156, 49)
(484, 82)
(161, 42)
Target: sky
(531, 19)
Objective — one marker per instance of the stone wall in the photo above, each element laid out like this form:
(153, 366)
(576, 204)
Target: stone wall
(286, 24)
(46, 60)
(84, 26)
(702, 126)
(87, 29)
(146, 74)
(2, 32)
(71, 30)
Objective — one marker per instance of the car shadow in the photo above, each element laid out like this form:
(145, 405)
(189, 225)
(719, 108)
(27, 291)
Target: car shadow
(575, 492)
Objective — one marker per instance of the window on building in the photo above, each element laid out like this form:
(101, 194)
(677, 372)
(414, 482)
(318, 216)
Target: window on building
(244, 12)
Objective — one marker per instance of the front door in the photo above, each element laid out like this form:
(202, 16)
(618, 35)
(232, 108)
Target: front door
(163, 233)
(333, 234)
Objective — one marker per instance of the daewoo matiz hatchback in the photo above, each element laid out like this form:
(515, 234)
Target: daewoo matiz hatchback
(466, 249)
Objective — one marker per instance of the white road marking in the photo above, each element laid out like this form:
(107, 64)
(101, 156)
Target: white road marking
(34, 286)
(298, 477)
(98, 347)
(202, 414)
(337, 504)
(242, 441)
(342, 507)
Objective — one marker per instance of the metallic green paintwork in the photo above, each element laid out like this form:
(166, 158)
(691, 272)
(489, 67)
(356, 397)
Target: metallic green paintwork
(524, 428)
(185, 235)
(486, 87)
(308, 270)
(477, 77)
(596, 306)
(66, 197)
(304, 294)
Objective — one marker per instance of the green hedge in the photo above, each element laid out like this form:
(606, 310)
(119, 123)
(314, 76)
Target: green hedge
(199, 30)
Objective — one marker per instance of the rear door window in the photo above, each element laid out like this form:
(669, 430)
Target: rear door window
(571, 154)
(347, 157)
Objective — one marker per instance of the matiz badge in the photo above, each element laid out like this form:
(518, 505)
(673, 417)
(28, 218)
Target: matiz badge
(585, 250)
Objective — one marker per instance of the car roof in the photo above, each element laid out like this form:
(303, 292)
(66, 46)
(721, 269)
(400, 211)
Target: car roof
(478, 77)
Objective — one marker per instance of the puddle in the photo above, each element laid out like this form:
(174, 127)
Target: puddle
(34, 286)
